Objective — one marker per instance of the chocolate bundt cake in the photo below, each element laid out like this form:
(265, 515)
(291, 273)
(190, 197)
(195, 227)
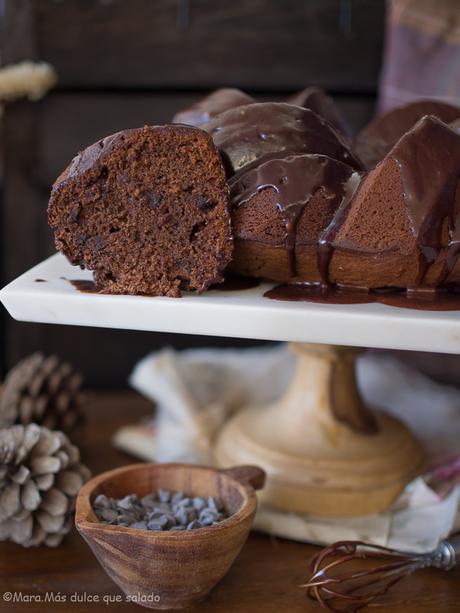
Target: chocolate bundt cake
(279, 210)
(377, 138)
(248, 135)
(313, 219)
(210, 106)
(147, 210)
(316, 99)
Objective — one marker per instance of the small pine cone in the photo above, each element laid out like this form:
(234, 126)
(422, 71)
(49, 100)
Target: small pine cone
(40, 475)
(42, 390)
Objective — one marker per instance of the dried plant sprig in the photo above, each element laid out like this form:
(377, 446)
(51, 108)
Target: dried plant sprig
(26, 79)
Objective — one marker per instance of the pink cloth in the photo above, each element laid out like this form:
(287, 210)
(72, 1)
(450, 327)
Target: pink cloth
(422, 52)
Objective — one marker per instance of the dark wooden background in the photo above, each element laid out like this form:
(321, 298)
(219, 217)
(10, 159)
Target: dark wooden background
(124, 63)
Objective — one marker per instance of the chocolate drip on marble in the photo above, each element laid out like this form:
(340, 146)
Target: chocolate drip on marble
(295, 180)
(445, 299)
(84, 285)
(235, 283)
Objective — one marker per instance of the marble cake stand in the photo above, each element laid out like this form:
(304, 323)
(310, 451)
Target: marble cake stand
(324, 451)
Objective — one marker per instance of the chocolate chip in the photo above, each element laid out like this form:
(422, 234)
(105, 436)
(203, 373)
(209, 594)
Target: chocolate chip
(101, 501)
(139, 525)
(123, 178)
(152, 199)
(154, 526)
(161, 511)
(199, 503)
(75, 212)
(193, 525)
(177, 497)
(164, 495)
(126, 502)
(109, 515)
(99, 242)
(204, 204)
(212, 504)
(148, 501)
(196, 230)
(181, 516)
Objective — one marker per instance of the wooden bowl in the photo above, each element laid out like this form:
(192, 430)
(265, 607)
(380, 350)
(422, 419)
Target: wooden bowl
(170, 570)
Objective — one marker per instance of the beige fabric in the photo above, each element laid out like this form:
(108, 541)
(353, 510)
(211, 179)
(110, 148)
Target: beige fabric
(197, 390)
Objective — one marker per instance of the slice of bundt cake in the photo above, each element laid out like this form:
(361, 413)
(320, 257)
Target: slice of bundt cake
(147, 210)
(396, 230)
(218, 101)
(279, 210)
(378, 137)
(248, 135)
(313, 219)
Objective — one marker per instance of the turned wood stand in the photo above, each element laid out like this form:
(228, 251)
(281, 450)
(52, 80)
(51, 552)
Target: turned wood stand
(324, 451)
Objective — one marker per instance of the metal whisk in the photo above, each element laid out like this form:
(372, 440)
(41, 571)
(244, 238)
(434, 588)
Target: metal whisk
(343, 581)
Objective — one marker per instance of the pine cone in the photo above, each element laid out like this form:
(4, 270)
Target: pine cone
(42, 390)
(40, 475)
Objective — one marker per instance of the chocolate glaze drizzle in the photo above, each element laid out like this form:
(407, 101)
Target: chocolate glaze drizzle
(83, 285)
(295, 180)
(428, 157)
(430, 173)
(257, 132)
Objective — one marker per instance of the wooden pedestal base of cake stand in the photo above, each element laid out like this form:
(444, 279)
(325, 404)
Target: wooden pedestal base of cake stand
(324, 451)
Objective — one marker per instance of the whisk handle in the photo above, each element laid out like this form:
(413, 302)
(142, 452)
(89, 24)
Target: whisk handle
(449, 553)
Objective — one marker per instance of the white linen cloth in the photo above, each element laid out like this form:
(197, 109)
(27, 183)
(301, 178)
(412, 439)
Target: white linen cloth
(196, 391)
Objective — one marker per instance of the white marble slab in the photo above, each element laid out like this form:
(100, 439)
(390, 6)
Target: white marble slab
(243, 314)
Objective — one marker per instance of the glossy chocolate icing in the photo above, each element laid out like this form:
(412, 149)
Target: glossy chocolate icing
(295, 180)
(429, 160)
(218, 101)
(316, 99)
(428, 157)
(428, 163)
(248, 135)
(379, 136)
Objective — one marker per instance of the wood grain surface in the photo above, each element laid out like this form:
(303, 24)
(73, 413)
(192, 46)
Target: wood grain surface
(170, 43)
(264, 578)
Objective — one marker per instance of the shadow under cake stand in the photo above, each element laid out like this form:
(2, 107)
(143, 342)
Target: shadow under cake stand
(325, 452)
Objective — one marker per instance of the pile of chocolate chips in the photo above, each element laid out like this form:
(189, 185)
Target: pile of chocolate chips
(162, 510)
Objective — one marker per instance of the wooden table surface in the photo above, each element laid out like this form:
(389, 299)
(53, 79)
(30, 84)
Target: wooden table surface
(264, 578)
